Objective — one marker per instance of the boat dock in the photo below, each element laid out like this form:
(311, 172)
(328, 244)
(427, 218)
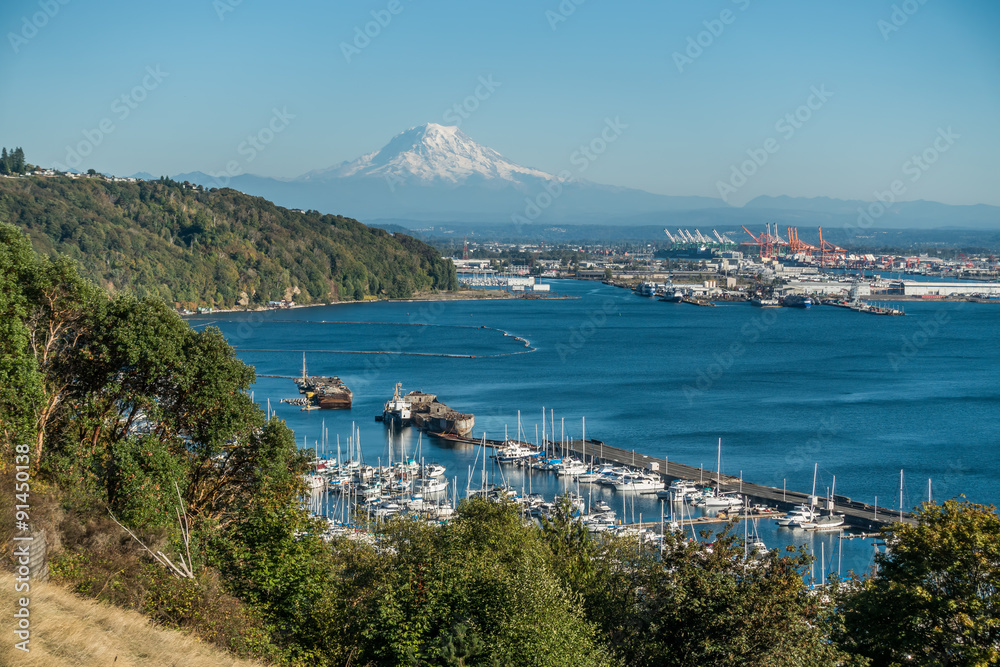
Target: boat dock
(857, 515)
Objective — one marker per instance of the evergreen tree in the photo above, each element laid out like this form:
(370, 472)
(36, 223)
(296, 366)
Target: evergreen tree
(4, 160)
(17, 161)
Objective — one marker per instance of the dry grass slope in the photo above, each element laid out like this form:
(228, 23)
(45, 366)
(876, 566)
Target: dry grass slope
(68, 631)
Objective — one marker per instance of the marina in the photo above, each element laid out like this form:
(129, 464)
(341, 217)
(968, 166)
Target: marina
(857, 515)
(668, 387)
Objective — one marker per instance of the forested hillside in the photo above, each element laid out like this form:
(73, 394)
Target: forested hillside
(218, 248)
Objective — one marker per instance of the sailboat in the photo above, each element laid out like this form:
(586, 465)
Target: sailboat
(720, 499)
(829, 521)
(802, 513)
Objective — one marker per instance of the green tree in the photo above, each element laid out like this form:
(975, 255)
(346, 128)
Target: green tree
(21, 387)
(479, 591)
(47, 307)
(693, 605)
(935, 598)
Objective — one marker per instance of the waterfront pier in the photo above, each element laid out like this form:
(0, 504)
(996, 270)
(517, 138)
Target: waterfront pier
(857, 515)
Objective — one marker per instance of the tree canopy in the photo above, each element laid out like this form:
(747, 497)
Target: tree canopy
(220, 248)
(935, 599)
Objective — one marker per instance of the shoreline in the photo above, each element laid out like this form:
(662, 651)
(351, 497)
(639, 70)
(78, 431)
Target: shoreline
(462, 295)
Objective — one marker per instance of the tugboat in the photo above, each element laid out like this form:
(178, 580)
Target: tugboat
(397, 409)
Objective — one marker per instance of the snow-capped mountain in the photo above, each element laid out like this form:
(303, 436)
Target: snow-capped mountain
(433, 172)
(436, 173)
(431, 153)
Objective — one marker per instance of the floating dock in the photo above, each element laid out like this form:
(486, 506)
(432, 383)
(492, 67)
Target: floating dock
(859, 516)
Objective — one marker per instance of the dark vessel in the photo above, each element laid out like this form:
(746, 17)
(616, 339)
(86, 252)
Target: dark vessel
(796, 301)
(324, 392)
(425, 412)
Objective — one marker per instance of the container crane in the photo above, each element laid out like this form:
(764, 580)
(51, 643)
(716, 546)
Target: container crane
(827, 249)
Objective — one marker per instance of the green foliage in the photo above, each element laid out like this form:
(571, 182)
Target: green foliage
(20, 383)
(478, 591)
(693, 605)
(143, 473)
(283, 576)
(935, 599)
(572, 548)
(192, 247)
(120, 399)
(12, 162)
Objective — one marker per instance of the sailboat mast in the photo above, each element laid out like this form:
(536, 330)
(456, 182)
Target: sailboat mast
(813, 495)
(900, 494)
(552, 425)
(718, 466)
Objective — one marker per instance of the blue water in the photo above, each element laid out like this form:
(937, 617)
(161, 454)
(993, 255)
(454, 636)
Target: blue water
(860, 395)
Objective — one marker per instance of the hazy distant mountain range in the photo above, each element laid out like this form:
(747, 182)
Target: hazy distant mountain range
(434, 173)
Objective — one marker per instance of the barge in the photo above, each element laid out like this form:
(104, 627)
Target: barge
(425, 412)
(326, 392)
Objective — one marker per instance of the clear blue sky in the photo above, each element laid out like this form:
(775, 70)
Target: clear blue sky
(892, 89)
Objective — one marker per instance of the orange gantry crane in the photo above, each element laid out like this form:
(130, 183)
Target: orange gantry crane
(830, 253)
(797, 246)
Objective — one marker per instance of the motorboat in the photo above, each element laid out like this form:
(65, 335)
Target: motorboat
(799, 514)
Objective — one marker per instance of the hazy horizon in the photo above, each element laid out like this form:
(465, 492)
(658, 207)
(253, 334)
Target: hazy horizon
(737, 98)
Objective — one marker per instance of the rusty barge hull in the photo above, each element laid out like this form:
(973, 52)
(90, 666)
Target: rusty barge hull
(328, 393)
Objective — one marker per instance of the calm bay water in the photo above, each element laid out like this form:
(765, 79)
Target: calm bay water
(861, 395)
